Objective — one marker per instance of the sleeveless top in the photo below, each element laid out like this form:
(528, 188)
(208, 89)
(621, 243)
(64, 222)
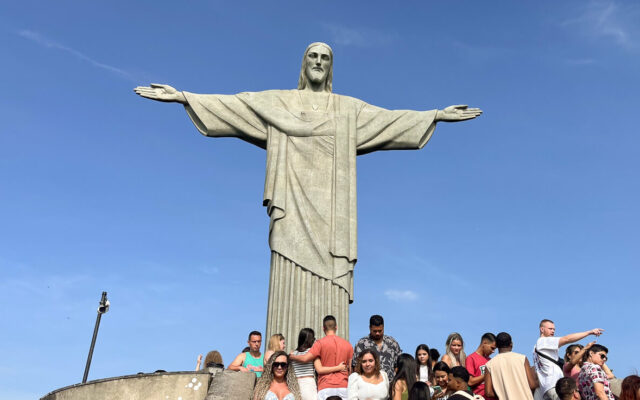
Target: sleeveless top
(424, 373)
(254, 364)
(302, 369)
(272, 396)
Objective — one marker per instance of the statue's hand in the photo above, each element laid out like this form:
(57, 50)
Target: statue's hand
(160, 92)
(457, 113)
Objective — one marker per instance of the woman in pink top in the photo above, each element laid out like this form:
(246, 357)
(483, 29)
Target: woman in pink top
(573, 361)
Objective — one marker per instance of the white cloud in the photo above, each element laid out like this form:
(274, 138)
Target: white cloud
(209, 270)
(401, 295)
(608, 19)
(361, 37)
(45, 42)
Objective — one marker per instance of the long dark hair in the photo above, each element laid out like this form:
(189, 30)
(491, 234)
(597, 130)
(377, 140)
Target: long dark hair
(406, 371)
(306, 337)
(428, 365)
(420, 391)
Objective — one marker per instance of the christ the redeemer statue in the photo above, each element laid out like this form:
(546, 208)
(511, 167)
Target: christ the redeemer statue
(312, 137)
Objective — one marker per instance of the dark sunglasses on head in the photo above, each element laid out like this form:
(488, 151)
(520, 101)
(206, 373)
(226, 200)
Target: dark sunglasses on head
(282, 365)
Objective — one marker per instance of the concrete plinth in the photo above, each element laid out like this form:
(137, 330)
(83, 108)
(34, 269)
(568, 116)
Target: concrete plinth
(159, 386)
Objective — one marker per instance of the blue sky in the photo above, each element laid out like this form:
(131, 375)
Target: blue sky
(529, 212)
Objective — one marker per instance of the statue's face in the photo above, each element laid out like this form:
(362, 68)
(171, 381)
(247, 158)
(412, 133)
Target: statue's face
(317, 64)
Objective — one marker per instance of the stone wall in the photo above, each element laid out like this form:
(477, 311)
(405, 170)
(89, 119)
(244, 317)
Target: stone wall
(188, 385)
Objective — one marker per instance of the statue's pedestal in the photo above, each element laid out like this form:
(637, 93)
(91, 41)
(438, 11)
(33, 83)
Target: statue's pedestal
(211, 384)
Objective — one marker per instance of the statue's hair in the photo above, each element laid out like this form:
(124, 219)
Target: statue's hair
(303, 80)
(264, 382)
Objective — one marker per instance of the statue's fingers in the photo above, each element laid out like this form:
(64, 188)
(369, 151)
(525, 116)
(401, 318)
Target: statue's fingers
(460, 106)
(147, 90)
(157, 85)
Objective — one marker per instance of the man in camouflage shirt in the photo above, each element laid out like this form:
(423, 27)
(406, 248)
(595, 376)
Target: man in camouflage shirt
(387, 347)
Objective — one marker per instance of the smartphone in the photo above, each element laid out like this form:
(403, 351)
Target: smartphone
(437, 389)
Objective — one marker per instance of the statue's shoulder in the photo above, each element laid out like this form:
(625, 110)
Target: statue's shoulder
(270, 94)
(348, 99)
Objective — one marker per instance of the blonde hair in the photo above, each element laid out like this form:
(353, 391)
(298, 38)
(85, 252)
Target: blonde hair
(274, 342)
(213, 357)
(303, 80)
(447, 350)
(264, 382)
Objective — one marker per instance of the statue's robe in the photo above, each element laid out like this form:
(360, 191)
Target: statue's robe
(310, 188)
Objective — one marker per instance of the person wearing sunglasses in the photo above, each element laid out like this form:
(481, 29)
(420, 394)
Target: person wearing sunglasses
(592, 381)
(278, 381)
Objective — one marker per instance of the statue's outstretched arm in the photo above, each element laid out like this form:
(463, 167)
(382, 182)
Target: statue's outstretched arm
(457, 113)
(160, 92)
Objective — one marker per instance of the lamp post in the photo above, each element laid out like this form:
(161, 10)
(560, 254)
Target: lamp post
(102, 308)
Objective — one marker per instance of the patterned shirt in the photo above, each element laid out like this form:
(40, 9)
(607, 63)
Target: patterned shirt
(389, 352)
(590, 374)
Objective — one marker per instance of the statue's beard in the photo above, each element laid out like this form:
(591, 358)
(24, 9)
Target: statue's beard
(316, 77)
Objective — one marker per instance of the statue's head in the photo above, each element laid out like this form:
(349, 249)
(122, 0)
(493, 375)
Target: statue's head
(317, 66)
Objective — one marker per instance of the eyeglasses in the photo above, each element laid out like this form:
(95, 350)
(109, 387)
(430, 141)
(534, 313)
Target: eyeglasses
(603, 356)
(282, 365)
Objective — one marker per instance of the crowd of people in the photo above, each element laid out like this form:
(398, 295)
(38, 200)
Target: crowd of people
(376, 368)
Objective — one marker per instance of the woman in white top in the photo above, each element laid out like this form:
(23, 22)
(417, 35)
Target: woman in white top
(278, 382)
(424, 364)
(368, 382)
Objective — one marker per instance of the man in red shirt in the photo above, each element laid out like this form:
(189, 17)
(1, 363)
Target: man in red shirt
(332, 350)
(476, 363)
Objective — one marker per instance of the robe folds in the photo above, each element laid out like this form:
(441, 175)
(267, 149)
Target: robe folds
(310, 183)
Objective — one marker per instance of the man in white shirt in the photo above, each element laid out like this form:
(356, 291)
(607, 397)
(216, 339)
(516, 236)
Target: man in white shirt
(545, 355)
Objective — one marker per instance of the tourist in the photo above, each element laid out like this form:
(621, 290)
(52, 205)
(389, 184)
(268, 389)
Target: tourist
(630, 388)
(476, 361)
(459, 384)
(420, 391)
(454, 351)
(592, 380)
(573, 360)
(368, 382)
(434, 356)
(304, 371)
(252, 360)
(545, 357)
(441, 379)
(387, 347)
(278, 382)
(509, 375)
(332, 351)
(424, 363)
(566, 389)
(276, 342)
(404, 378)
(212, 360)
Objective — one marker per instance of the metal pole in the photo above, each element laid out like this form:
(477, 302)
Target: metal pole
(103, 308)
